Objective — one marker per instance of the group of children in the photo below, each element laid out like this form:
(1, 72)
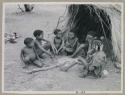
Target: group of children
(90, 54)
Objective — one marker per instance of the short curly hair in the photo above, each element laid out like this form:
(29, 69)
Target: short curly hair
(56, 31)
(28, 40)
(37, 33)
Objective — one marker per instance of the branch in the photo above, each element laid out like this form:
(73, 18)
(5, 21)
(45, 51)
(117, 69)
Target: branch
(20, 8)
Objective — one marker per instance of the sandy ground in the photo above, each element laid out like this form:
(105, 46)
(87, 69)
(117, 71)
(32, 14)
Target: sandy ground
(15, 79)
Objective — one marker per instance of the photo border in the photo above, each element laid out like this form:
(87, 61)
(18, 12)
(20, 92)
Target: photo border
(62, 92)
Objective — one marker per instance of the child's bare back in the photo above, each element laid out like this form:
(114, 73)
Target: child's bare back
(39, 46)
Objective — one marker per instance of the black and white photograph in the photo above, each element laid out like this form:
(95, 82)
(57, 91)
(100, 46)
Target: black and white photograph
(62, 47)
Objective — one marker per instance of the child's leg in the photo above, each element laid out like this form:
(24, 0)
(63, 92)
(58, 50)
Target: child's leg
(82, 46)
(27, 61)
(47, 46)
(62, 52)
(85, 68)
(38, 63)
(40, 54)
(91, 68)
(82, 61)
(84, 73)
(52, 50)
(98, 71)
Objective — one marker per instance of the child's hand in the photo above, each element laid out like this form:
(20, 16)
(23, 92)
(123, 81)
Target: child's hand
(51, 56)
(56, 52)
(64, 47)
(41, 60)
(69, 49)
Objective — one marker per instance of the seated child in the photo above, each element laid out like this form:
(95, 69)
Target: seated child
(95, 62)
(39, 46)
(84, 47)
(93, 43)
(58, 42)
(28, 54)
(81, 49)
(70, 44)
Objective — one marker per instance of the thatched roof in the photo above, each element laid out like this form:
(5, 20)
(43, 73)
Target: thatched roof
(101, 19)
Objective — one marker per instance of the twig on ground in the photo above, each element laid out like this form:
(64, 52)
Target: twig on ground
(44, 68)
(20, 8)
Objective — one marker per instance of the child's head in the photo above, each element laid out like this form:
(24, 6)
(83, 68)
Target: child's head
(71, 35)
(29, 42)
(38, 34)
(58, 33)
(90, 36)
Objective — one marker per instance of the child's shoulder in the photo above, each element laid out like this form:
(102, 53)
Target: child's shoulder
(36, 42)
(23, 49)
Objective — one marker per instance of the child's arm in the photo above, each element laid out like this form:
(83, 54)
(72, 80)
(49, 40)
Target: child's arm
(45, 40)
(91, 51)
(37, 56)
(79, 48)
(61, 46)
(45, 51)
(22, 57)
(53, 49)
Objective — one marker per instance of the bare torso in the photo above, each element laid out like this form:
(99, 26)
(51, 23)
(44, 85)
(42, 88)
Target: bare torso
(29, 52)
(71, 44)
(37, 48)
(57, 43)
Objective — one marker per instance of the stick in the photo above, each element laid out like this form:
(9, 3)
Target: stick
(20, 8)
(44, 68)
(66, 68)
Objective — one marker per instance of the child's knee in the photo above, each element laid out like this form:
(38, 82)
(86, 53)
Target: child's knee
(82, 61)
(80, 58)
(47, 46)
(91, 68)
(26, 59)
(82, 46)
(38, 63)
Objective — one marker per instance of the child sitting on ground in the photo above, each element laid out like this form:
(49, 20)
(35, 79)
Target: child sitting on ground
(58, 42)
(73, 48)
(96, 60)
(39, 46)
(70, 44)
(28, 54)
